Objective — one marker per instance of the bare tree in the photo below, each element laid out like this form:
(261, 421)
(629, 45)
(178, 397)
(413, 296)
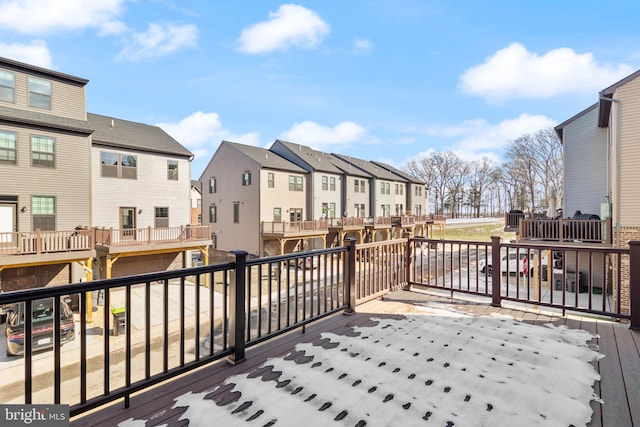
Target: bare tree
(481, 175)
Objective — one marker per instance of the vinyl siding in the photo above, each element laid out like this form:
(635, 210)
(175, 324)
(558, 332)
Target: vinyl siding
(279, 196)
(67, 100)
(227, 166)
(151, 189)
(629, 96)
(360, 198)
(69, 181)
(327, 196)
(585, 165)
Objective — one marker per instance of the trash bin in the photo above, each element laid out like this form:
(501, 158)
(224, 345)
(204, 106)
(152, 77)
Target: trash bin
(119, 320)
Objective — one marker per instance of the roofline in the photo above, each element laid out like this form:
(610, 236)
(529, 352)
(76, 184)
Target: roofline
(559, 128)
(115, 145)
(42, 71)
(606, 98)
(45, 125)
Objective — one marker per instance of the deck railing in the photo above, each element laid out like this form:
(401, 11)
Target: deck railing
(39, 242)
(295, 227)
(566, 230)
(152, 327)
(143, 236)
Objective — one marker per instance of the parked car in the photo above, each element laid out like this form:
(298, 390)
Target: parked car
(42, 325)
(515, 266)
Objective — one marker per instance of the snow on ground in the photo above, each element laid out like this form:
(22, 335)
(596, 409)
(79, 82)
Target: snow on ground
(439, 367)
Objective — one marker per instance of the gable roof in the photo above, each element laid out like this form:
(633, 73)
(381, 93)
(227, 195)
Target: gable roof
(560, 128)
(265, 158)
(368, 167)
(399, 172)
(606, 98)
(316, 161)
(118, 133)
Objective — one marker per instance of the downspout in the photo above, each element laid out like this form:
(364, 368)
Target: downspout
(616, 160)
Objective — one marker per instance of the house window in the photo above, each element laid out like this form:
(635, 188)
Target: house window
(295, 183)
(397, 189)
(271, 180)
(332, 183)
(382, 188)
(43, 210)
(213, 214)
(129, 166)
(214, 240)
(236, 212)
(401, 189)
(7, 86)
(212, 185)
(199, 203)
(325, 209)
(161, 217)
(116, 165)
(418, 209)
(332, 210)
(359, 210)
(39, 93)
(277, 214)
(362, 190)
(388, 187)
(172, 170)
(325, 183)
(295, 215)
(8, 147)
(246, 178)
(199, 219)
(418, 191)
(356, 186)
(43, 151)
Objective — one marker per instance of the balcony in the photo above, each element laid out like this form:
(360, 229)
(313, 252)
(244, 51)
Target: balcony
(346, 223)
(150, 239)
(294, 229)
(27, 248)
(256, 311)
(540, 228)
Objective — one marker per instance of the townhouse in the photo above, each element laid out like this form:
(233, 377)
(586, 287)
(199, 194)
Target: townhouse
(74, 186)
(291, 197)
(256, 200)
(601, 155)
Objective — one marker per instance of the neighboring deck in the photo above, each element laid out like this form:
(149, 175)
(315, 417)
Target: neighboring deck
(619, 387)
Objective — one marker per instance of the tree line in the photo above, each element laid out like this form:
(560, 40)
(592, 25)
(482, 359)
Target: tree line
(529, 178)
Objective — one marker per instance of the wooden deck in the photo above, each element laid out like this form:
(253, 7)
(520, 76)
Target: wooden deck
(619, 387)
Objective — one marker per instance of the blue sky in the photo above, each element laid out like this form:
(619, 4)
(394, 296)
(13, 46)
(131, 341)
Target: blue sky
(385, 80)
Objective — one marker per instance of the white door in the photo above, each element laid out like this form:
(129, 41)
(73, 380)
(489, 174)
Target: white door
(7, 222)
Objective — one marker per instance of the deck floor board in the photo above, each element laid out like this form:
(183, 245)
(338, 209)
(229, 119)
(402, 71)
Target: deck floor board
(619, 369)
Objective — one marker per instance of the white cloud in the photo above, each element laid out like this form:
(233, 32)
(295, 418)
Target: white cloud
(362, 46)
(514, 72)
(35, 53)
(200, 131)
(319, 137)
(476, 138)
(47, 16)
(158, 40)
(291, 25)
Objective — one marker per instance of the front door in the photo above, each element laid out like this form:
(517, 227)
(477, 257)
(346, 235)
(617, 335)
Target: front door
(128, 222)
(7, 222)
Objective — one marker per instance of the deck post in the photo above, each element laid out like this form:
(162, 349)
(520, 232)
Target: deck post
(634, 283)
(350, 276)
(408, 256)
(237, 314)
(496, 274)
